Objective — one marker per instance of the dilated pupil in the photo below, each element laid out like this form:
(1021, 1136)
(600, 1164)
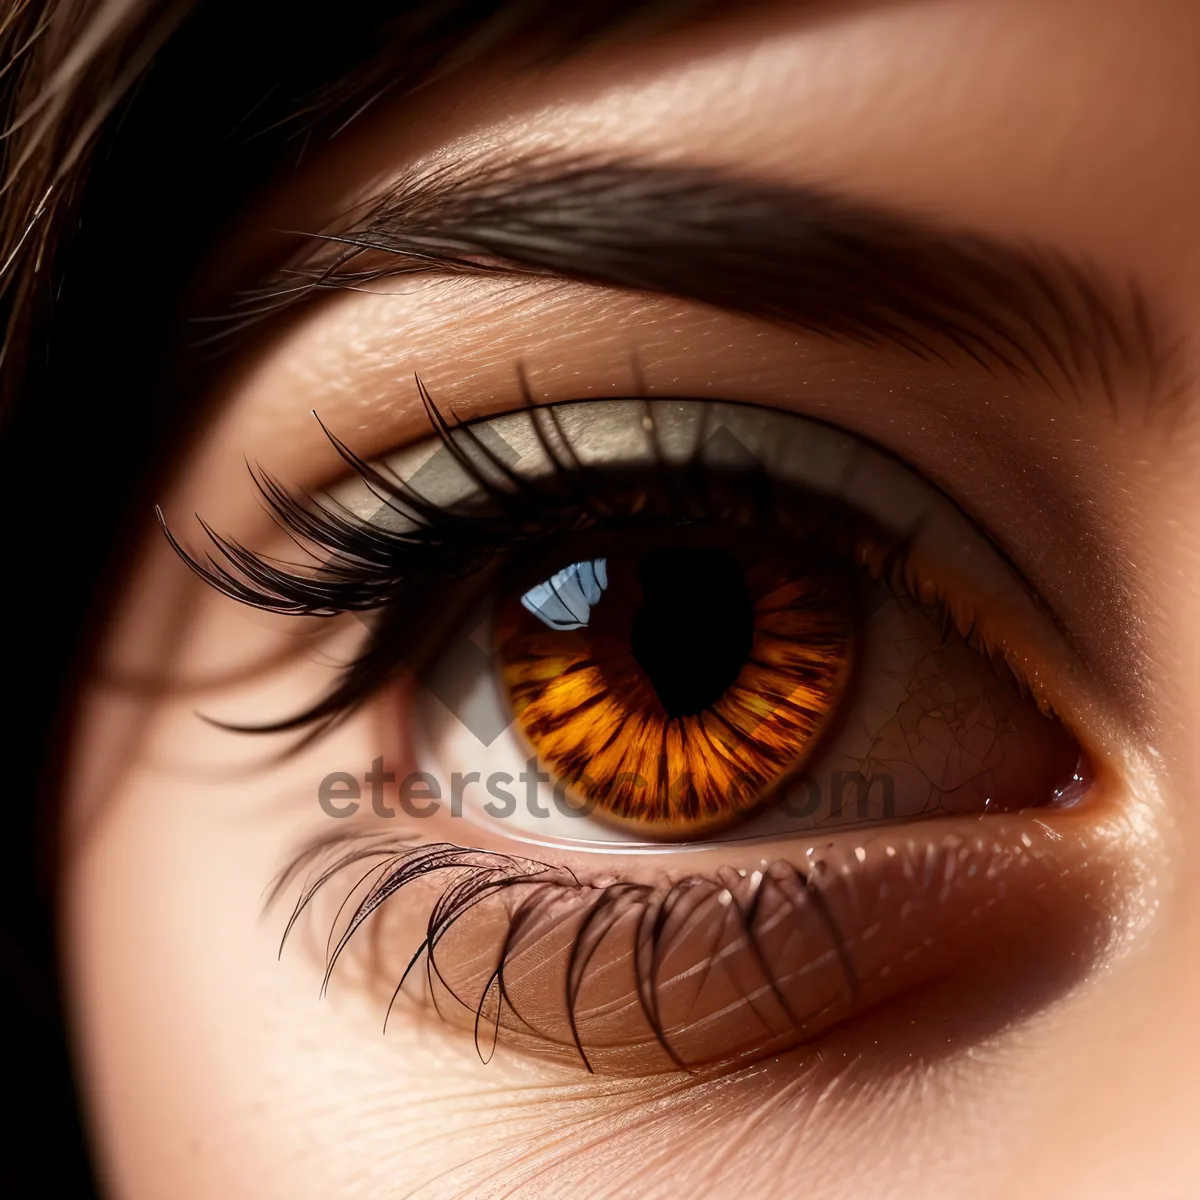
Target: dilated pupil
(693, 631)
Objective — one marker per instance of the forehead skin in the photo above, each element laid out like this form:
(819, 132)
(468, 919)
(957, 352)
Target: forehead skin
(1071, 124)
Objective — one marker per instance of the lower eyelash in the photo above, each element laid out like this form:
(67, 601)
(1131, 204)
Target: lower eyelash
(476, 876)
(632, 974)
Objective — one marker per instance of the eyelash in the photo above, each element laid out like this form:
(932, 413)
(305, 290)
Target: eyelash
(483, 874)
(361, 567)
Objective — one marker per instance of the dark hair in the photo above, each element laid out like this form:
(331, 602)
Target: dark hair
(134, 133)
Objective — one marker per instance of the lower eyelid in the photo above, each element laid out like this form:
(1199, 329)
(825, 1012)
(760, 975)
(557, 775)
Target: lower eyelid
(638, 971)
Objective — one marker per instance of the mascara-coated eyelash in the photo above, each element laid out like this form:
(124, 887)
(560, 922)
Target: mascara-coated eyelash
(364, 565)
(359, 565)
(385, 551)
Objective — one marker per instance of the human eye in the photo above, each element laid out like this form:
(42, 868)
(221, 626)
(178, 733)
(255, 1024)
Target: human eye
(708, 728)
(693, 694)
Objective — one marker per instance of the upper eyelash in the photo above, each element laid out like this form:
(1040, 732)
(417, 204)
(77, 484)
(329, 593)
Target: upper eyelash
(481, 874)
(358, 565)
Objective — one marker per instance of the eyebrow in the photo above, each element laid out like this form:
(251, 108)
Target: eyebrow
(802, 257)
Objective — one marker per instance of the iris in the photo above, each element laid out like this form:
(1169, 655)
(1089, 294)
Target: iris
(675, 685)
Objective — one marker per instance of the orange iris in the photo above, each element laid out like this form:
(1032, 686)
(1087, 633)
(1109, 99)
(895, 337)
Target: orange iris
(675, 687)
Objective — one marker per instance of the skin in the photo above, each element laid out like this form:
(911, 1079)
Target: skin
(213, 1069)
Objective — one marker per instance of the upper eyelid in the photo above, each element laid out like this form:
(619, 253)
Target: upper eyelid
(1039, 618)
(855, 451)
(359, 495)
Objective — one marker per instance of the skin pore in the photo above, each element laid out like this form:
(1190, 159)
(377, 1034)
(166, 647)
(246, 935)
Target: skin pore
(211, 1063)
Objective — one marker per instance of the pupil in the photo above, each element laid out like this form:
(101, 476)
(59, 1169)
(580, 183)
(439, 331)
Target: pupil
(693, 631)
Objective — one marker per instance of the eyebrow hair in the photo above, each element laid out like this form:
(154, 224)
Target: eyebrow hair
(798, 256)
